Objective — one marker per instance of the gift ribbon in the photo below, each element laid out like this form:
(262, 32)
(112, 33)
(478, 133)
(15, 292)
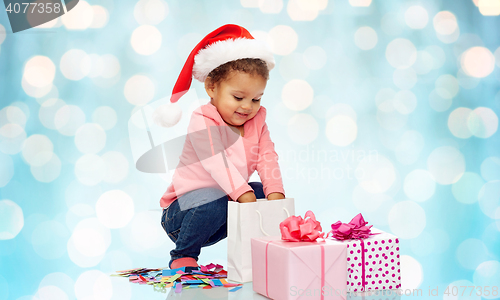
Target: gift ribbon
(296, 229)
(356, 229)
(322, 271)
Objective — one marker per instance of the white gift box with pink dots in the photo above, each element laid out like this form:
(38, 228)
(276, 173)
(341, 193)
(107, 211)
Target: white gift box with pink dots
(374, 259)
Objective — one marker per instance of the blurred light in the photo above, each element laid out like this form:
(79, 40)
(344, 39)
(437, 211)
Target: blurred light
(34, 91)
(320, 106)
(497, 57)
(133, 236)
(51, 292)
(423, 245)
(48, 110)
(466, 190)
(37, 150)
(416, 17)
(76, 213)
(90, 169)
(297, 94)
(446, 26)
(75, 64)
(61, 280)
(39, 71)
(457, 122)
(392, 24)
(78, 193)
(341, 109)
(405, 102)
(482, 122)
(466, 41)
(392, 121)
(271, 6)
(304, 10)
(360, 3)
(376, 173)
(490, 168)
(12, 137)
(282, 39)
(91, 238)
(487, 274)
(11, 219)
(412, 273)
(384, 99)
(466, 81)
(49, 239)
(90, 138)
(438, 55)
(365, 38)
(93, 284)
(303, 129)
(439, 103)
(250, 3)
(79, 18)
(68, 119)
(49, 171)
(409, 147)
(150, 12)
(50, 24)
(407, 219)
(139, 90)
(478, 62)
(446, 164)
(114, 209)
(100, 16)
(447, 86)
(445, 23)
(424, 63)
(404, 79)
(110, 66)
(489, 7)
(401, 53)
(471, 252)
(3, 35)
(116, 166)
(105, 116)
(419, 185)
(341, 130)
(13, 114)
(315, 57)
(293, 66)
(7, 170)
(367, 202)
(489, 198)
(146, 39)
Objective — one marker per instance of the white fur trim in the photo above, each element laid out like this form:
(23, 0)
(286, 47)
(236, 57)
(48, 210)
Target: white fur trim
(228, 50)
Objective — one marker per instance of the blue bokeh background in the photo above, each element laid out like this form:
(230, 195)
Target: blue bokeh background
(388, 108)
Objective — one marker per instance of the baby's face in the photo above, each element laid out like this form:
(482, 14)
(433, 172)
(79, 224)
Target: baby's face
(237, 99)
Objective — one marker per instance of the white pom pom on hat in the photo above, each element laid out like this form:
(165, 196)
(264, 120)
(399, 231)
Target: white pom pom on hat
(227, 43)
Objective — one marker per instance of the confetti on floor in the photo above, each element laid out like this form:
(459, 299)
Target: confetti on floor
(206, 277)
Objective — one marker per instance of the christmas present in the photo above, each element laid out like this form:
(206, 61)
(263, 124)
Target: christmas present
(372, 256)
(297, 266)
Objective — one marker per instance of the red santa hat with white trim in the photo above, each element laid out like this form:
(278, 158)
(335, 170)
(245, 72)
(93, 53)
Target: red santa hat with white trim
(227, 43)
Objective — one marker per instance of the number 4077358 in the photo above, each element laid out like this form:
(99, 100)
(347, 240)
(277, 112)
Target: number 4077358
(33, 8)
(471, 289)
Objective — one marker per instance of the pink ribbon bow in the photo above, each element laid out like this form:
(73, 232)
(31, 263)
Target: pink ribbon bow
(356, 229)
(296, 229)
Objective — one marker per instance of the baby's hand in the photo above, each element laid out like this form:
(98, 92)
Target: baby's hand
(247, 197)
(275, 196)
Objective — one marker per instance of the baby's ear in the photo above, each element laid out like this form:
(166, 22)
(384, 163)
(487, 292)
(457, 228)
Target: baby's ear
(209, 87)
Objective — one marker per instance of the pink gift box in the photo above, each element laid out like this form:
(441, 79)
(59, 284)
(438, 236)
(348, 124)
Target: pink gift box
(381, 263)
(299, 270)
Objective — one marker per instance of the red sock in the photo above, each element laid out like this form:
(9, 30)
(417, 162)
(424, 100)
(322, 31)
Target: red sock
(184, 262)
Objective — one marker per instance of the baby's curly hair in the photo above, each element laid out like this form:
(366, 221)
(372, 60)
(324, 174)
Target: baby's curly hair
(251, 66)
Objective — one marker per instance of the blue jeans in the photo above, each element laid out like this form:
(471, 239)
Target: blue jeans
(198, 219)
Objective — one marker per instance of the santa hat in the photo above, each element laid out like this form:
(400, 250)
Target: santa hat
(226, 43)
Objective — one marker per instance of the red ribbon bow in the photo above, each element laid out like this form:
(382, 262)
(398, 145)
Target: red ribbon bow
(356, 229)
(296, 229)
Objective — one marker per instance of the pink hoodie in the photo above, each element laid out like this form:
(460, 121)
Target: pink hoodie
(216, 156)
